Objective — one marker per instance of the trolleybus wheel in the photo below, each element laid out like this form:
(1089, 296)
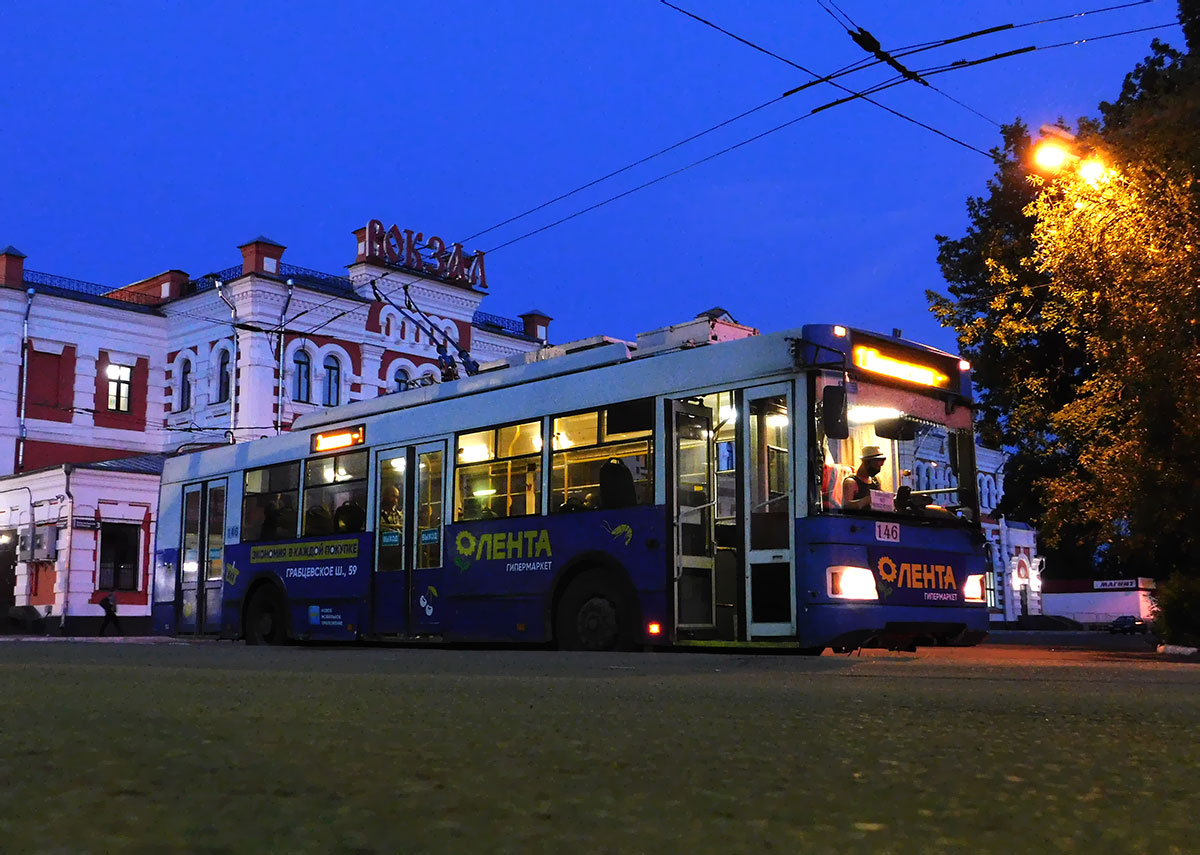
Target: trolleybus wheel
(264, 621)
(593, 615)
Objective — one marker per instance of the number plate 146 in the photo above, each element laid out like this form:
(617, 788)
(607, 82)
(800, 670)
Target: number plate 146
(888, 531)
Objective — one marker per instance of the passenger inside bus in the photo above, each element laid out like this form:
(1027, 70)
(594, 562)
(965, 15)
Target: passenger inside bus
(349, 517)
(318, 520)
(616, 485)
(391, 516)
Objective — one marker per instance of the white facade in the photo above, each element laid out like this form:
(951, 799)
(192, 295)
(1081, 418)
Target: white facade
(1099, 601)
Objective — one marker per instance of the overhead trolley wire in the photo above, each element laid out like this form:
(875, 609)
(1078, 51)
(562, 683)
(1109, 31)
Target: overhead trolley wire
(831, 82)
(846, 70)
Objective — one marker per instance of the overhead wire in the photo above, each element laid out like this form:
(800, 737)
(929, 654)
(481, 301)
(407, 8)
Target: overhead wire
(831, 82)
(851, 68)
(860, 65)
(845, 70)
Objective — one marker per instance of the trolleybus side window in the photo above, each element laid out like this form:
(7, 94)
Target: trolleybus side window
(335, 494)
(269, 501)
(603, 458)
(498, 472)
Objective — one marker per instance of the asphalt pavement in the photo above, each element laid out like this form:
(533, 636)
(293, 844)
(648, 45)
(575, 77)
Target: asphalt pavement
(220, 748)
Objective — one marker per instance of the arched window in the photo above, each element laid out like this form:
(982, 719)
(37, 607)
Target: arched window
(302, 384)
(185, 385)
(400, 380)
(223, 377)
(333, 381)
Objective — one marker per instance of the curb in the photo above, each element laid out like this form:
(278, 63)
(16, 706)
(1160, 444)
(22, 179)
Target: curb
(92, 639)
(1176, 650)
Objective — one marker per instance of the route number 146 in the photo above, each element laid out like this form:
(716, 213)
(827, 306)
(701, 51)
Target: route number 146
(889, 531)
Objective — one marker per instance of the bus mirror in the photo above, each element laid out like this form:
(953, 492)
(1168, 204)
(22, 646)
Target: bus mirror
(833, 412)
(896, 429)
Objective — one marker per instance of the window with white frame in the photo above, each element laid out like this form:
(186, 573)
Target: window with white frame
(223, 377)
(333, 382)
(185, 385)
(120, 383)
(120, 553)
(302, 377)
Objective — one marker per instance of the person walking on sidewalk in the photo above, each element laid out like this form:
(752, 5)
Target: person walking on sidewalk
(109, 604)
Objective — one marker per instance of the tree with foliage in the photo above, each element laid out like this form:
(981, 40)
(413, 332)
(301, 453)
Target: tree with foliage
(1078, 302)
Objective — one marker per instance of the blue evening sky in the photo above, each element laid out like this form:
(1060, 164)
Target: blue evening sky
(137, 137)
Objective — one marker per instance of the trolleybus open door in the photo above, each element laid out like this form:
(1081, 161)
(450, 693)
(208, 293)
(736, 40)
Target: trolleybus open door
(769, 512)
(202, 558)
(693, 503)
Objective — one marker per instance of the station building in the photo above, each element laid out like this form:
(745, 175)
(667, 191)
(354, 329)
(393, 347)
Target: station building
(99, 384)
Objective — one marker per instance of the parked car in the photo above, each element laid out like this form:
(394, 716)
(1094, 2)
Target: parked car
(1128, 625)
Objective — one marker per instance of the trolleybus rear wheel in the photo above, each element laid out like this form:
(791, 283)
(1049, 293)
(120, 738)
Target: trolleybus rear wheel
(593, 614)
(264, 621)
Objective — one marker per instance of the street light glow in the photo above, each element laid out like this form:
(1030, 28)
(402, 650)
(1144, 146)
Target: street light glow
(1050, 156)
(1092, 171)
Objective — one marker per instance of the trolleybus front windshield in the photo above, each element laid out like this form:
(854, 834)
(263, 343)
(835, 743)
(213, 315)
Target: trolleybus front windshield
(927, 451)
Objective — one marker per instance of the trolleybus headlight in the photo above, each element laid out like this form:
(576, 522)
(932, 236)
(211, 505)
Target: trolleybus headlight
(972, 589)
(852, 583)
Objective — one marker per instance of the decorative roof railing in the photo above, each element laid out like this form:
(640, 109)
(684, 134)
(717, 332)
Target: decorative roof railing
(308, 273)
(93, 289)
(508, 325)
(285, 270)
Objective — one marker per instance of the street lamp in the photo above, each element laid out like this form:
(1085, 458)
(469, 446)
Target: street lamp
(1057, 151)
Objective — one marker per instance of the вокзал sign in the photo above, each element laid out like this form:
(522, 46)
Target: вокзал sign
(410, 250)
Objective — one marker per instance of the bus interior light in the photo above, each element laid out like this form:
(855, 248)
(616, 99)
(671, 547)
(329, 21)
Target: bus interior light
(335, 440)
(972, 589)
(852, 583)
(860, 414)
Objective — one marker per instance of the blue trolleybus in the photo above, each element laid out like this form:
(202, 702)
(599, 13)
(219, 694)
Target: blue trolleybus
(698, 485)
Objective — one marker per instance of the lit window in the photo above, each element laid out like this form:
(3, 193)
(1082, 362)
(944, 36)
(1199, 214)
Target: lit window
(499, 472)
(120, 378)
(333, 382)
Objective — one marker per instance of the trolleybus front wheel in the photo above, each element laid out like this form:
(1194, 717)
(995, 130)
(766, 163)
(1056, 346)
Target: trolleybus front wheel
(264, 619)
(593, 614)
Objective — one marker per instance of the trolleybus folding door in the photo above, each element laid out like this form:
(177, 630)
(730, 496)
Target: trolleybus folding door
(409, 554)
(389, 588)
(694, 500)
(202, 558)
(769, 511)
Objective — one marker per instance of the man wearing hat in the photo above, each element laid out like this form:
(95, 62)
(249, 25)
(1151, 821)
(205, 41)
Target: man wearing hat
(856, 488)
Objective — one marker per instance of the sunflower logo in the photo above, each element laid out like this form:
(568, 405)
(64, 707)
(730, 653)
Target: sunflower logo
(465, 543)
(887, 569)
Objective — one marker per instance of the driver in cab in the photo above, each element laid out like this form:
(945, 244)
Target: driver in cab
(856, 488)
